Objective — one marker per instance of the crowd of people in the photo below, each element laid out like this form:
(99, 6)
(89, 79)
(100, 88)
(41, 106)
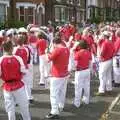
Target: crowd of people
(61, 51)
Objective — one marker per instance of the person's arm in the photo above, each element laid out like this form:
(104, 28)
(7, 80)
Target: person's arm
(22, 66)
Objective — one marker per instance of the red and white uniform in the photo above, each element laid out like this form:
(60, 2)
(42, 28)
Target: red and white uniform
(116, 61)
(106, 51)
(42, 45)
(32, 39)
(58, 82)
(11, 72)
(89, 39)
(23, 52)
(82, 76)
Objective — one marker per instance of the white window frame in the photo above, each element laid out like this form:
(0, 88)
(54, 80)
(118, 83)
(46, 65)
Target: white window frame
(26, 5)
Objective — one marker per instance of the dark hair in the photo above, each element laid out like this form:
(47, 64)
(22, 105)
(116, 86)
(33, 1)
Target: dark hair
(83, 44)
(21, 40)
(7, 46)
(57, 34)
(40, 35)
(57, 40)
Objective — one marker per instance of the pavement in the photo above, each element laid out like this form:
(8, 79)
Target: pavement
(96, 110)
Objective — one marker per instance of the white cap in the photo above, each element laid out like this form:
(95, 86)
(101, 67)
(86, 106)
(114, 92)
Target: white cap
(9, 32)
(34, 29)
(106, 33)
(22, 30)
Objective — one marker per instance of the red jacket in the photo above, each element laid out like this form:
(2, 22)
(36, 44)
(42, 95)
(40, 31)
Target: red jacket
(11, 72)
(82, 58)
(106, 50)
(41, 46)
(60, 60)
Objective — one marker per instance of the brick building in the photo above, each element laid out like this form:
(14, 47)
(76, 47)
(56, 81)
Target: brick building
(4, 5)
(61, 11)
(103, 9)
(41, 11)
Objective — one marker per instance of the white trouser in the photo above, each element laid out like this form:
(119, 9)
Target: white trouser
(30, 74)
(116, 69)
(28, 84)
(43, 68)
(35, 54)
(105, 76)
(58, 88)
(71, 65)
(82, 82)
(19, 97)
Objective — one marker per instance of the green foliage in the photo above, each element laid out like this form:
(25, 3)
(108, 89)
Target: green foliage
(2, 25)
(96, 20)
(14, 24)
(11, 24)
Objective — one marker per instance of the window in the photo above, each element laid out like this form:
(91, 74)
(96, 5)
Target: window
(57, 14)
(2, 12)
(30, 14)
(22, 14)
(63, 14)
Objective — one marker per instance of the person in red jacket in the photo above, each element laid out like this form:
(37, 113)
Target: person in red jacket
(58, 82)
(22, 51)
(12, 69)
(82, 74)
(116, 60)
(41, 46)
(106, 51)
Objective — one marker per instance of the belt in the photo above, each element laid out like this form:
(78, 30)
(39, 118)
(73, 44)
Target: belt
(117, 55)
(10, 81)
(80, 69)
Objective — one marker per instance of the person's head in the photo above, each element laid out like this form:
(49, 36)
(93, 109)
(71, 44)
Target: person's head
(7, 46)
(106, 34)
(21, 40)
(117, 33)
(57, 40)
(83, 44)
(40, 35)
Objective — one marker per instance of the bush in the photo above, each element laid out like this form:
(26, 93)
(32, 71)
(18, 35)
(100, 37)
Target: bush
(96, 20)
(14, 24)
(2, 25)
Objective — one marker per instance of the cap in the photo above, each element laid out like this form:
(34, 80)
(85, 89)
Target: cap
(22, 30)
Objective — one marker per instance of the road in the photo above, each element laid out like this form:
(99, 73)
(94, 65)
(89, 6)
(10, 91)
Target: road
(97, 107)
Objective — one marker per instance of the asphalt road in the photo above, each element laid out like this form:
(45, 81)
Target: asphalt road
(97, 107)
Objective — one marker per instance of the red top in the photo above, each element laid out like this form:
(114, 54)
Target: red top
(60, 60)
(77, 36)
(32, 39)
(23, 53)
(106, 50)
(82, 58)
(41, 46)
(117, 45)
(89, 39)
(11, 72)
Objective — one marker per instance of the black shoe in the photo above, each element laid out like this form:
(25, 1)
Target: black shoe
(31, 101)
(16, 105)
(42, 84)
(116, 85)
(51, 116)
(109, 92)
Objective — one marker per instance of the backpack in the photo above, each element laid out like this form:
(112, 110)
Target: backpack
(10, 68)
(29, 55)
